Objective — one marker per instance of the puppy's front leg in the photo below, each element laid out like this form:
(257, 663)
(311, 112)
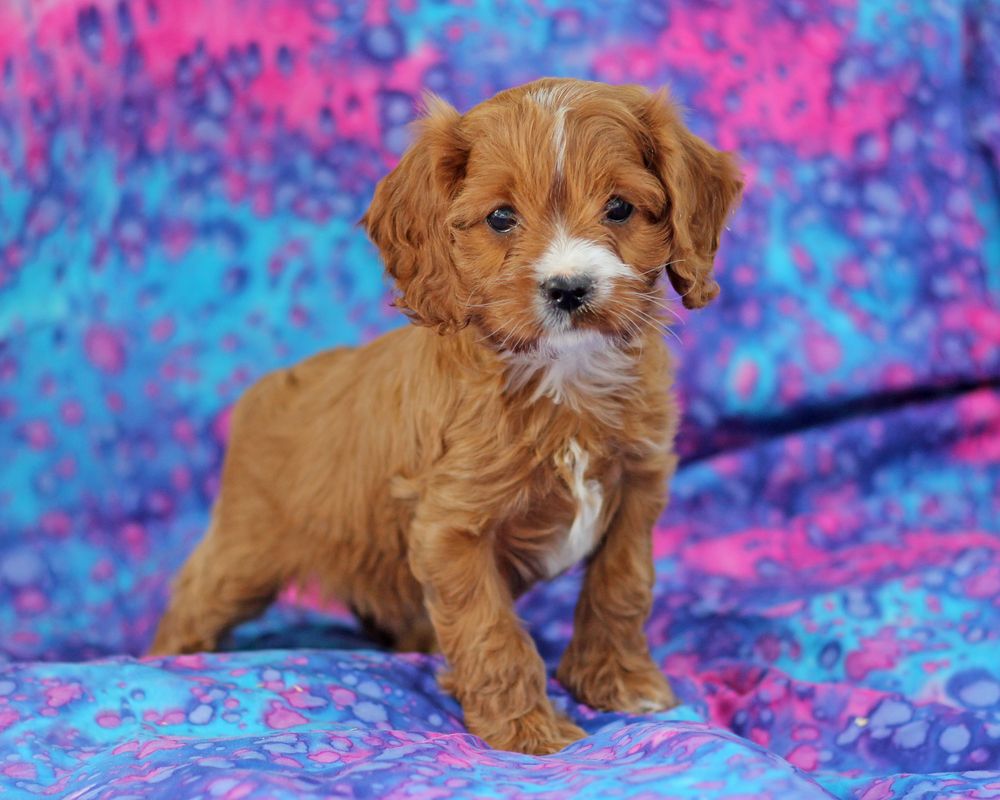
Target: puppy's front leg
(607, 664)
(496, 672)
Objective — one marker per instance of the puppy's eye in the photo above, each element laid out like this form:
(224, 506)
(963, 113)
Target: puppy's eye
(617, 210)
(502, 219)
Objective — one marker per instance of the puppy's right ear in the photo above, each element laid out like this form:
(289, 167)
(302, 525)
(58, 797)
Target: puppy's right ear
(406, 220)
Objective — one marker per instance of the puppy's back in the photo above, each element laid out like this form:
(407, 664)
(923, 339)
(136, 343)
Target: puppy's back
(314, 448)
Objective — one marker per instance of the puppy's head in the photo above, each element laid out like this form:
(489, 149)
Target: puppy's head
(551, 210)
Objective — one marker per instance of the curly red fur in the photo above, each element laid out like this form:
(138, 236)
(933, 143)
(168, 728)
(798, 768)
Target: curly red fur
(430, 477)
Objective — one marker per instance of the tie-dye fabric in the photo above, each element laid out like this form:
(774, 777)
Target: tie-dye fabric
(179, 183)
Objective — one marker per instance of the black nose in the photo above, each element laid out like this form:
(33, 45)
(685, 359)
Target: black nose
(568, 292)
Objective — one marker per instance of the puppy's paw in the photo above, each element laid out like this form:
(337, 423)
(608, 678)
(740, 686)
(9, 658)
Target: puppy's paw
(540, 732)
(607, 685)
(648, 694)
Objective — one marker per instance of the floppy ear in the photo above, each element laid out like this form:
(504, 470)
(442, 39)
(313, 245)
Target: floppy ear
(406, 221)
(702, 184)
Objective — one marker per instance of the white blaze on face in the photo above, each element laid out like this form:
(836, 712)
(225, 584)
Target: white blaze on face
(571, 255)
(555, 100)
(559, 138)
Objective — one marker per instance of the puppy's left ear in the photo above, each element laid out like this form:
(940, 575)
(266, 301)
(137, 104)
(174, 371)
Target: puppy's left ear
(407, 220)
(702, 184)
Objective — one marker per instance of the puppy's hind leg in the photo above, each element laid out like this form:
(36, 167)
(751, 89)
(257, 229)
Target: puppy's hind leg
(225, 581)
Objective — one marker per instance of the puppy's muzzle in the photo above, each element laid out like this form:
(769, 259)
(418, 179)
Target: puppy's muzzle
(568, 292)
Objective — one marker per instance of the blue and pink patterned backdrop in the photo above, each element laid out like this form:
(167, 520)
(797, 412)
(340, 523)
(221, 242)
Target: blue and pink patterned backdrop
(179, 185)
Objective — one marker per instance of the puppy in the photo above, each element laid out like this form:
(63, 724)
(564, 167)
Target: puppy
(523, 424)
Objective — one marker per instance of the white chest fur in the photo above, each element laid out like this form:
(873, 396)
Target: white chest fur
(574, 369)
(588, 495)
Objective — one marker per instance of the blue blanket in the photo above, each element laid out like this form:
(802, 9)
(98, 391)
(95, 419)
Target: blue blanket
(179, 183)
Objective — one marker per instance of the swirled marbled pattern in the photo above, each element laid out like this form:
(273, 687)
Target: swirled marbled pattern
(179, 183)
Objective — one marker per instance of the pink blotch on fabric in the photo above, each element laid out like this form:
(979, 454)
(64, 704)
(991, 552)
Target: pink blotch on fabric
(56, 523)
(823, 351)
(805, 757)
(303, 699)
(184, 432)
(156, 745)
(281, 717)
(986, 584)
(136, 540)
(8, 716)
(220, 425)
(193, 662)
(745, 379)
(105, 348)
(878, 652)
(162, 329)
(108, 719)
(21, 769)
(31, 601)
(58, 696)
(38, 435)
(342, 697)
(979, 411)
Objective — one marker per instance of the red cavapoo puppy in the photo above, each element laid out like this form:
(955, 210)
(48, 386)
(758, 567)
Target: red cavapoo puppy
(524, 423)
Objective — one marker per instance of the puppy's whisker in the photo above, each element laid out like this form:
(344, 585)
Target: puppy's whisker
(660, 267)
(494, 304)
(640, 319)
(655, 301)
(507, 338)
(656, 323)
(635, 322)
(631, 327)
(514, 332)
(487, 337)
